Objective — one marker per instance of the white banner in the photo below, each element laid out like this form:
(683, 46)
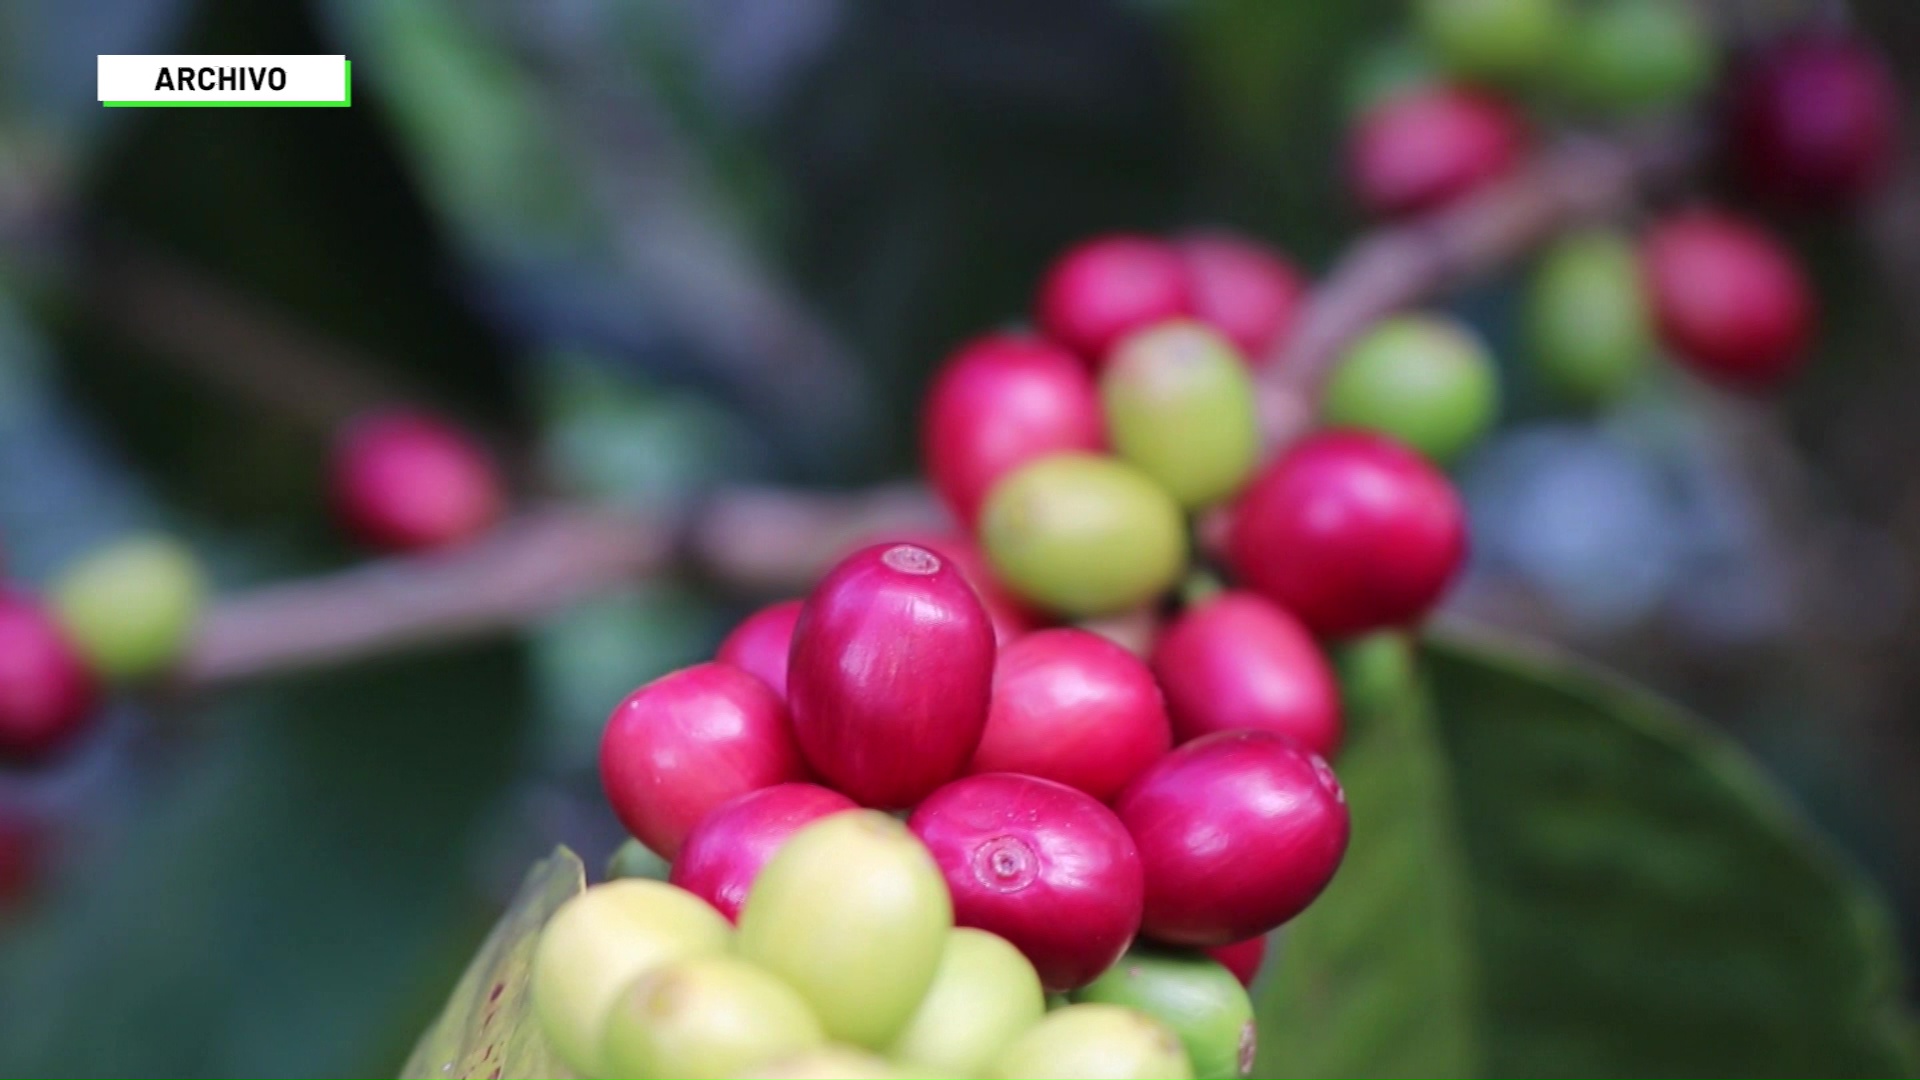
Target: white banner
(178, 79)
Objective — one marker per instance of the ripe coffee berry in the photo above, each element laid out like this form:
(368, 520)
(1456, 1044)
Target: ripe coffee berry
(726, 851)
(1426, 380)
(1108, 287)
(984, 995)
(1429, 146)
(1243, 290)
(1072, 707)
(403, 481)
(1040, 864)
(1729, 300)
(1179, 406)
(1815, 121)
(1236, 661)
(46, 693)
(760, 644)
(1198, 999)
(1009, 616)
(685, 743)
(1588, 326)
(1238, 832)
(999, 402)
(1095, 1040)
(1494, 40)
(1243, 958)
(1350, 532)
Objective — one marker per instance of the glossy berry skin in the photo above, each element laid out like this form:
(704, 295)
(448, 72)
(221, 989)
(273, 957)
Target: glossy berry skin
(404, 481)
(726, 851)
(1244, 290)
(1237, 661)
(760, 644)
(685, 743)
(1046, 867)
(47, 695)
(890, 676)
(984, 996)
(1106, 288)
(1426, 380)
(1195, 996)
(1588, 324)
(1009, 616)
(1284, 822)
(1430, 146)
(1001, 401)
(1073, 707)
(1243, 958)
(1728, 299)
(1349, 531)
(1816, 122)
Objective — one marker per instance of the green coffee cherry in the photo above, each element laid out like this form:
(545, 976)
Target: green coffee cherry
(1095, 1040)
(598, 943)
(984, 995)
(130, 607)
(1589, 333)
(853, 913)
(1193, 995)
(634, 859)
(1495, 40)
(1426, 380)
(1083, 534)
(830, 1063)
(1179, 405)
(1636, 55)
(705, 1016)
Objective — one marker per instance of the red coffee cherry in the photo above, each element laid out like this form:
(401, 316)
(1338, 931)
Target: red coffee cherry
(1349, 531)
(404, 481)
(760, 644)
(1243, 958)
(1816, 120)
(1429, 146)
(1108, 287)
(724, 853)
(1728, 299)
(685, 743)
(1244, 290)
(890, 675)
(1073, 707)
(999, 402)
(1237, 661)
(1040, 864)
(1238, 832)
(47, 695)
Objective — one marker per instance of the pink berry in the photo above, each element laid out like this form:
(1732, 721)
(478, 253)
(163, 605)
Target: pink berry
(1244, 290)
(998, 403)
(47, 695)
(1349, 531)
(1424, 148)
(1815, 121)
(1042, 865)
(684, 743)
(1728, 298)
(404, 481)
(760, 644)
(1108, 287)
(1243, 958)
(1009, 616)
(890, 675)
(1073, 707)
(1236, 661)
(1238, 832)
(724, 853)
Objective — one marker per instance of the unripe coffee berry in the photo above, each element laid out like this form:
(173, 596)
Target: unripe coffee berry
(1106, 288)
(1729, 300)
(1430, 146)
(404, 481)
(830, 1063)
(1629, 56)
(1243, 958)
(1426, 380)
(1816, 121)
(1236, 661)
(705, 1017)
(985, 995)
(761, 643)
(1588, 326)
(1244, 290)
(130, 607)
(47, 694)
(727, 850)
(1095, 1040)
(1494, 40)
(1198, 999)
(1179, 405)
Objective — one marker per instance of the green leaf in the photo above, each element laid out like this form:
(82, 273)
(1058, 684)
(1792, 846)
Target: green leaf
(1637, 899)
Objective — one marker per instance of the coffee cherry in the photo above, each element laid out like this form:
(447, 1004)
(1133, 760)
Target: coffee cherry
(130, 607)
(1108, 287)
(831, 1063)
(1238, 832)
(1633, 55)
(46, 693)
(1095, 1040)
(1430, 146)
(684, 743)
(1179, 405)
(1072, 707)
(1244, 290)
(1350, 532)
(597, 943)
(1083, 535)
(1040, 864)
(1001, 401)
(1729, 300)
(1494, 40)
(1009, 616)
(851, 912)
(984, 995)
(1237, 662)
(633, 859)
(727, 850)
(1243, 958)
(1589, 330)
(403, 481)
(705, 1016)
(1197, 998)
(891, 671)
(760, 644)
(1426, 380)
(1816, 120)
